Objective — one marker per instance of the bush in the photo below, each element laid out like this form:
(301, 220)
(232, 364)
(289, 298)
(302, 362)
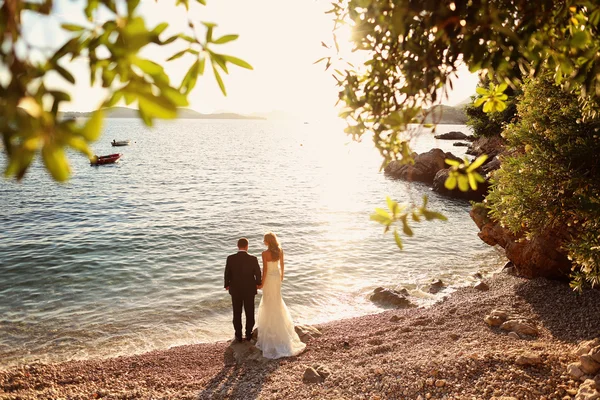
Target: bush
(551, 179)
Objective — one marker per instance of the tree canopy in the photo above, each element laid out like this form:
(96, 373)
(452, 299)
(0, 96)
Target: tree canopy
(415, 48)
(110, 40)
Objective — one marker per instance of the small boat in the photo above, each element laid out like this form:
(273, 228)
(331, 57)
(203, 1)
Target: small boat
(121, 142)
(101, 160)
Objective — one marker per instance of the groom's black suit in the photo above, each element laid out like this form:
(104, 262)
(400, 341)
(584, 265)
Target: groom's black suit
(242, 275)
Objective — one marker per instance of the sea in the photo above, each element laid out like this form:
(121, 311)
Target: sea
(129, 257)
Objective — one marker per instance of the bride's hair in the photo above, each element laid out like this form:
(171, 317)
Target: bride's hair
(273, 245)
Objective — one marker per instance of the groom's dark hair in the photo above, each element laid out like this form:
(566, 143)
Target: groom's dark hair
(242, 243)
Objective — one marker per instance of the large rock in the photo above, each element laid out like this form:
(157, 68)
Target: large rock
(390, 298)
(528, 359)
(312, 376)
(490, 146)
(307, 332)
(241, 352)
(436, 286)
(476, 195)
(588, 391)
(519, 326)
(496, 318)
(538, 257)
(588, 365)
(425, 166)
(586, 346)
(595, 354)
(316, 374)
(454, 135)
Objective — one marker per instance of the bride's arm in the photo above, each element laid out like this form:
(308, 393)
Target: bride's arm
(281, 263)
(264, 273)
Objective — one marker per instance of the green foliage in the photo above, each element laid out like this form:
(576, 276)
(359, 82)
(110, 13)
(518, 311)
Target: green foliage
(490, 124)
(415, 48)
(551, 180)
(402, 214)
(29, 122)
(464, 174)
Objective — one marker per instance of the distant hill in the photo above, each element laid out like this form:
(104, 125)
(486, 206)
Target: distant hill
(184, 113)
(441, 114)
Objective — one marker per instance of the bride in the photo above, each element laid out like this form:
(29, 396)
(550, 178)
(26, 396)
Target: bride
(276, 335)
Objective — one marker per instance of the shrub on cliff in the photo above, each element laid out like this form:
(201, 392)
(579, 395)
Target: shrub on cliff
(551, 179)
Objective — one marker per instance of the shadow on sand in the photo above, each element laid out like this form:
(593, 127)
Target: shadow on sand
(569, 316)
(243, 375)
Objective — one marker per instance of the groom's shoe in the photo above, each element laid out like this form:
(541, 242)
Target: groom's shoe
(238, 339)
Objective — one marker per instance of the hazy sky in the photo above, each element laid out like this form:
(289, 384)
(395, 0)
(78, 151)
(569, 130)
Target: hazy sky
(280, 38)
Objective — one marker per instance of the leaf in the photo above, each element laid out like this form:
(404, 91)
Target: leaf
(405, 228)
(56, 162)
(430, 215)
(93, 127)
(238, 62)
(156, 106)
(450, 182)
(79, 144)
(579, 39)
(65, 74)
(398, 239)
(201, 65)
(177, 55)
(219, 60)
(383, 213)
(472, 182)
(220, 81)
(149, 67)
(131, 6)
(477, 163)
(160, 28)
(380, 218)
(501, 88)
(72, 27)
(392, 205)
(175, 96)
(463, 183)
(225, 39)
(190, 78)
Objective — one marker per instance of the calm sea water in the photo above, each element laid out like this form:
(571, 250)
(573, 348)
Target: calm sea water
(129, 257)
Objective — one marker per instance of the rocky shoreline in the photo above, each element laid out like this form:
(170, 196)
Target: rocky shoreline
(459, 348)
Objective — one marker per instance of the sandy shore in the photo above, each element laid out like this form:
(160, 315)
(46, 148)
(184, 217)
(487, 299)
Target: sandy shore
(446, 351)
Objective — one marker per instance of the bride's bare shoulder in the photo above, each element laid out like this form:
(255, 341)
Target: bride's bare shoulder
(266, 255)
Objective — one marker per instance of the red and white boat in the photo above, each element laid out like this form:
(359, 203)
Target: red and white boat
(101, 160)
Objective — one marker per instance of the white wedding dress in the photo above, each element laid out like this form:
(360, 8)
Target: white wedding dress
(276, 335)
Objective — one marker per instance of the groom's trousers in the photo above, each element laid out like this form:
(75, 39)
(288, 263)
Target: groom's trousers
(247, 302)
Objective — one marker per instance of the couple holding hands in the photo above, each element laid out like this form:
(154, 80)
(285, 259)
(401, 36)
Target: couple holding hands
(276, 336)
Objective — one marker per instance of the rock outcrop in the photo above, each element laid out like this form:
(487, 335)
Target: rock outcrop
(390, 298)
(490, 146)
(511, 323)
(454, 135)
(425, 167)
(538, 257)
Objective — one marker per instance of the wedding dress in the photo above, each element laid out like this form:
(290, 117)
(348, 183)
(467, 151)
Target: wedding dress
(276, 335)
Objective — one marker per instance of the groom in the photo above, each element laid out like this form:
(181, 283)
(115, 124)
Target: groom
(242, 276)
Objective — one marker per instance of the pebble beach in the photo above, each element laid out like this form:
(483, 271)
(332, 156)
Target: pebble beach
(446, 351)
